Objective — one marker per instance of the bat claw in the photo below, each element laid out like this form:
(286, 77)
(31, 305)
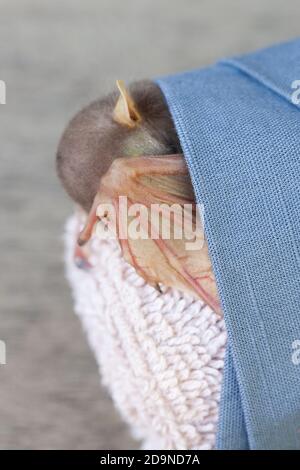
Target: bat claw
(158, 288)
(81, 241)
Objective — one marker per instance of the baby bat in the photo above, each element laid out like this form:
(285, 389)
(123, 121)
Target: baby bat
(125, 144)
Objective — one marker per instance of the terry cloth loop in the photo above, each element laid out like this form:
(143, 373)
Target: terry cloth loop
(241, 141)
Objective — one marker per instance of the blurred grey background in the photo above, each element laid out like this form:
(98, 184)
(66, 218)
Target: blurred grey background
(56, 56)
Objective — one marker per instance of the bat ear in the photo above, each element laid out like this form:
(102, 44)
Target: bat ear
(125, 111)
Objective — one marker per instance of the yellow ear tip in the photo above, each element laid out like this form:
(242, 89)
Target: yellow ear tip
(125, 111)
(120, 85)
(123, 92)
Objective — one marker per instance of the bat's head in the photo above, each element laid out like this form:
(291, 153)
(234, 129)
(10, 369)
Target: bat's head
(124, 123)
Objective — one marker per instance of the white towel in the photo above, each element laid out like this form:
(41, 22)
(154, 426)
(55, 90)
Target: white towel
(160, 355)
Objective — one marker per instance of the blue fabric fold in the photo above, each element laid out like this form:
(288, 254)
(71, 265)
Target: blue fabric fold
(240, 133)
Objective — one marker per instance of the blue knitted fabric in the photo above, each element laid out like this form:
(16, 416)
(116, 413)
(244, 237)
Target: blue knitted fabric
(240, 133)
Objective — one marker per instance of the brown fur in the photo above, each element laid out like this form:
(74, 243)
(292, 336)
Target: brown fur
(93, 140)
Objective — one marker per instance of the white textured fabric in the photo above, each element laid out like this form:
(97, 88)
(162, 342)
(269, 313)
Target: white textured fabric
(160, 355)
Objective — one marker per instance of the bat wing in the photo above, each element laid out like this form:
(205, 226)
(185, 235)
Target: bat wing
(155, 220)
